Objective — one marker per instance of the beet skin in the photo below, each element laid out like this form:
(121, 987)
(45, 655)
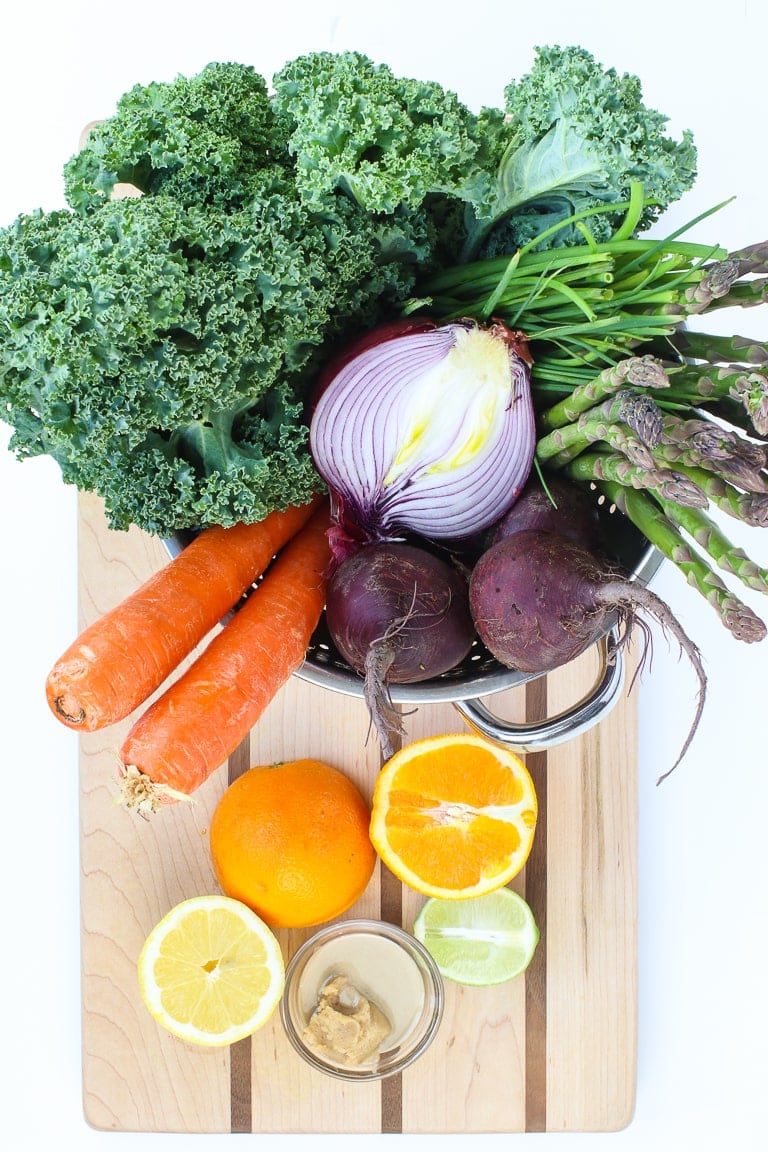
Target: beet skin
(532, 597)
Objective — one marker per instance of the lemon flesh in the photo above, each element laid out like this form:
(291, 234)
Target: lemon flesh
(211, 971)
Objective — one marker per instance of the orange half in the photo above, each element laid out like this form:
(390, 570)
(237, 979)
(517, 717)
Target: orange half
(454, 816)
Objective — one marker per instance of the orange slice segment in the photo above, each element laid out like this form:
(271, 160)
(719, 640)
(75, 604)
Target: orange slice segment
(454, 816)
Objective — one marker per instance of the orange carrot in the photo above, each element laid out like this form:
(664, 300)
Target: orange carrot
(119, 660)
(189, 731)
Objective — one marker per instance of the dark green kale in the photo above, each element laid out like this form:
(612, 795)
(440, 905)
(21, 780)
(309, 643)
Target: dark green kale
(577, 136)
(202, 139)
(162, 346)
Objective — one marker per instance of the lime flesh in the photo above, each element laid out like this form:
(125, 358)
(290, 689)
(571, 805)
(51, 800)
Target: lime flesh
(480, 941)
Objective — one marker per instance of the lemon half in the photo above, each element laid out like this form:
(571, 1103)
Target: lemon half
(211, 971)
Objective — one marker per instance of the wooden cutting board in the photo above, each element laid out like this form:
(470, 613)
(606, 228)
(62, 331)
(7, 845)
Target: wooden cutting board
(554, 1050)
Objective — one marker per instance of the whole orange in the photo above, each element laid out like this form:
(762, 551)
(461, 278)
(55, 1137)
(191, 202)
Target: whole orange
(291, 841)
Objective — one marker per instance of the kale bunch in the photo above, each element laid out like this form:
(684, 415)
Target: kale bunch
(569, 136)
(203, 139)
(161, 336)
(161, 347)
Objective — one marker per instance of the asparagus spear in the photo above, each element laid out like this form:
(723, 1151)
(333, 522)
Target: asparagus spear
(715, 286)
(635, 371)
(647, 516)
(750, 507)
(752, 392)
(753, 258)
(707, 444)
(697, 383)
(716, 349)
(741, 294)
(630, 422)
(612, 466)
(708, 535)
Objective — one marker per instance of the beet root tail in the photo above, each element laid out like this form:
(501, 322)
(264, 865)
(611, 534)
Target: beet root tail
(628, 598)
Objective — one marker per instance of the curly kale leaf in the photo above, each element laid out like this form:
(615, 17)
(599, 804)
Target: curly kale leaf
(576, 136)
(201, 139)
(162, 353)
(386, 141)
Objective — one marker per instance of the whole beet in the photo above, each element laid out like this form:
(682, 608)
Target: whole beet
(563, 507)
(397, 614)
(538, 600)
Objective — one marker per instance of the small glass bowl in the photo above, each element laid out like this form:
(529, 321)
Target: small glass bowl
(391, 968)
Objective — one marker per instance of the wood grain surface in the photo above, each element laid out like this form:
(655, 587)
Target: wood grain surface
(554, 1050)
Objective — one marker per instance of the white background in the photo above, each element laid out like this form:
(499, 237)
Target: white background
(703, 1052)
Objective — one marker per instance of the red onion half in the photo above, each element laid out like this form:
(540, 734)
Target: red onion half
(425, 428)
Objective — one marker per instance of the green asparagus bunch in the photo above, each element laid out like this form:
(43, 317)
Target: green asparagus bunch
(664, 470)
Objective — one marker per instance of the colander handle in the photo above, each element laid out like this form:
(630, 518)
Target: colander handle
(536, 737)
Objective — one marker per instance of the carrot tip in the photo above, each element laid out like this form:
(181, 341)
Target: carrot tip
(72, 719)
(139, 792)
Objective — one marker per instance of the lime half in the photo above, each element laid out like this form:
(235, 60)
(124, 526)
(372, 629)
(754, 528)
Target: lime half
(480, 941)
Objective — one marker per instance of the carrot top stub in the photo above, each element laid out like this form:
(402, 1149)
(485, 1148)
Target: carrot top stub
(191, 729)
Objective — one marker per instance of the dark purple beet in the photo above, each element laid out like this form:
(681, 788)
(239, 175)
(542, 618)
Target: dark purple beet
(539, 600)
(532, 597)
(563, 507)
(397, 614)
